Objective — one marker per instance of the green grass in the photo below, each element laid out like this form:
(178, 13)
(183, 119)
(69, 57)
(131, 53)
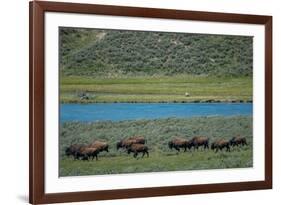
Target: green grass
(158, 133)
(184, 161)
(156, 89)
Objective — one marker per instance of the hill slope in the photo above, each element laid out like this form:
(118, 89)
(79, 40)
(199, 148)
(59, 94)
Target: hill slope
(109, 53)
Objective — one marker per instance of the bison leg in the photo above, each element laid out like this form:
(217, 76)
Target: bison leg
(135, 154)
(207, 146)
(228, 148)
(76, 156)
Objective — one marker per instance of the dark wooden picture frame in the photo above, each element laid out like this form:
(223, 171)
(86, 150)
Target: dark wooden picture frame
(37, 95)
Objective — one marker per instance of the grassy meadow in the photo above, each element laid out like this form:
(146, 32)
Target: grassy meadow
(156, 89)
(157, 132)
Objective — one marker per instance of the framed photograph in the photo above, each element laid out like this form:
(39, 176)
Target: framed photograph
(138, 102)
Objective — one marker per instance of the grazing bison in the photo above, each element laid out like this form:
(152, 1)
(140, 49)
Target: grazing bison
(101, 146)
(235, 141)
(136, 148)
(126, 143)
(87, 152)
(178, 143)
(73, 150)
(220, 144)
(200, 141)
(79, 154)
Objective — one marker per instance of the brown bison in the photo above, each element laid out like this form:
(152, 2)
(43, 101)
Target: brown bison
(101, 146)
(73, 150)
(235, 141)
(137, 148)
(126, 143)
(87, 152)
(178, 143)
(78, 153)
(220, 144)
(199, 141)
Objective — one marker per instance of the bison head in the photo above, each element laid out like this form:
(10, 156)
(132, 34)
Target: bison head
(106, 148)
(68, 151)
(170, 144)
(232, 141)
(189, 144)
(119, 145)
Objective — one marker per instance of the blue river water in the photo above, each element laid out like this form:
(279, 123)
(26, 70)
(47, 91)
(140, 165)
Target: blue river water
(135, 111)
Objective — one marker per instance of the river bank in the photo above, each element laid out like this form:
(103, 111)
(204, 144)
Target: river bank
(156, 89)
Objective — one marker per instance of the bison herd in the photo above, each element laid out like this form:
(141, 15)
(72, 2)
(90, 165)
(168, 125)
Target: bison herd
(200, 141)
(137, 144)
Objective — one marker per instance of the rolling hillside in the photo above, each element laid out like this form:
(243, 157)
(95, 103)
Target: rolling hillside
(113, 53)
